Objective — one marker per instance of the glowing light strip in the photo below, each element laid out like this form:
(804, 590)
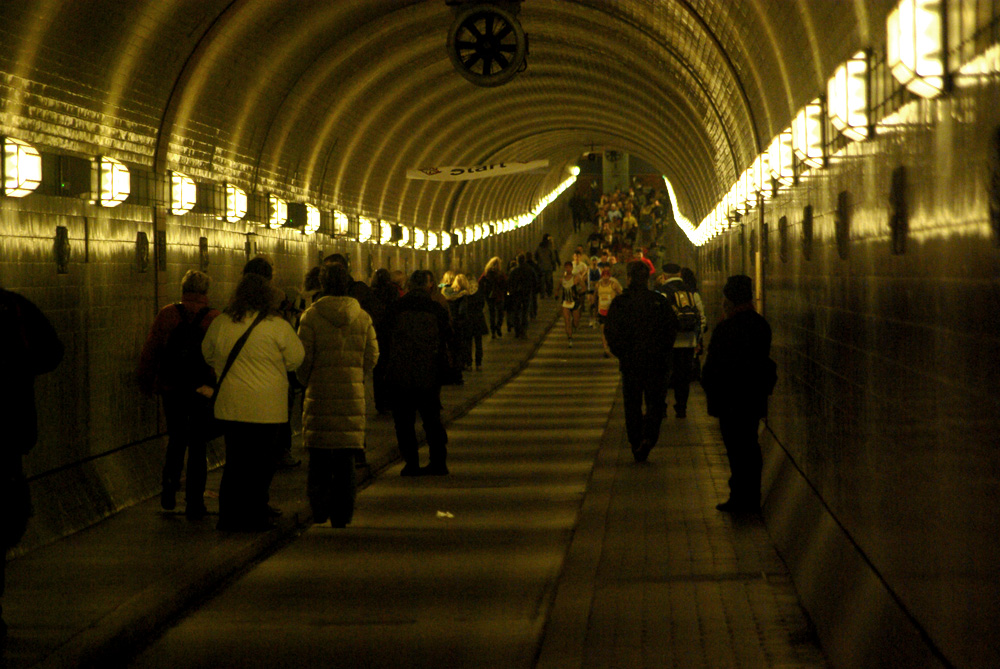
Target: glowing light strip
(480, 231)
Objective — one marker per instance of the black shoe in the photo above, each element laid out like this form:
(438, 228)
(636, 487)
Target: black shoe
(641, 452)
(410, 470)
(195, 511)
(274, 512)
(168, 498)
(434, 470)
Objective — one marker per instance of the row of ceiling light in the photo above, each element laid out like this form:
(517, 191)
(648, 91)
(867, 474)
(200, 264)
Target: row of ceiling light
(111, 185)
(915, 49)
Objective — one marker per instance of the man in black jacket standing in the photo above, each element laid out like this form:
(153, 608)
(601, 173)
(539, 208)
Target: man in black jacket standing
(738, 375)
(520, 286)
(640, 330)
(28, 347)
(416, 348)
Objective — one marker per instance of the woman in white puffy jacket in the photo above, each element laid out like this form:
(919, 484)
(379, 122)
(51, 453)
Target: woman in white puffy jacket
(252, 400)
(340, 349)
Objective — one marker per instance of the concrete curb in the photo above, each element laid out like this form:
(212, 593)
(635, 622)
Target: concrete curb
(563, 637)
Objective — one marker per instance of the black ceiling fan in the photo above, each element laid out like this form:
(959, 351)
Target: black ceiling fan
(487, 44)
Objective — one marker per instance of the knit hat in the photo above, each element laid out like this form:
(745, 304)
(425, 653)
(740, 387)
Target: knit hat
(738, 289)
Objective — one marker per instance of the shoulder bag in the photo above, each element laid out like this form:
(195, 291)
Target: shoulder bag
(213, 427)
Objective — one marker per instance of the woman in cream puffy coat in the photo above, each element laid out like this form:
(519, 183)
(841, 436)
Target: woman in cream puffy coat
(340, 348)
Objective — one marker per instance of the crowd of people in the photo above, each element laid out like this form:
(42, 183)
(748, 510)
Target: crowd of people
(237, 372)
(634, 217)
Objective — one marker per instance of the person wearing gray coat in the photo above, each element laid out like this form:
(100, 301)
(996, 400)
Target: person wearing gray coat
(340, 345)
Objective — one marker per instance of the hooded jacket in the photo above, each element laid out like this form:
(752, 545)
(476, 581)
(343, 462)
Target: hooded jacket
(340, 345)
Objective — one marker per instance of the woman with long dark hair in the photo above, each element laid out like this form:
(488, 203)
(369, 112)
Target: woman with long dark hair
(251, 400)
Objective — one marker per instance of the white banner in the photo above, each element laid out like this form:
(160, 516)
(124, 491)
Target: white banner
(475, 172)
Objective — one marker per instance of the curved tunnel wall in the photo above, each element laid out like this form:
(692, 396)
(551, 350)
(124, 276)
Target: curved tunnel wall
(882, 472)
(881, 460)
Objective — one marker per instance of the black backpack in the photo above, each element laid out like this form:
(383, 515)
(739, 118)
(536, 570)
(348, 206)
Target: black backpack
(183, 366)
(688, 318)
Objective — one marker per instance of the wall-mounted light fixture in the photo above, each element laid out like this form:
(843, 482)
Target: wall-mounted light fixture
(404, 236)
(113, 183)
(781, 161)
(341, 224)
(432, 240)
(847, 97)
(445, 241)
(459, 235)
(277, 212)
(22, 167)
(574, 170)
(183, 193)
(365, 229)
(385, 232)
(476, 233)
(808, 134)
(419, 238)
(915, 46)
(236, 203)
(313, 220)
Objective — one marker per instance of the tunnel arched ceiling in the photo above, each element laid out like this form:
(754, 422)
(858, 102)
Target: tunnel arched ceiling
(332, 101)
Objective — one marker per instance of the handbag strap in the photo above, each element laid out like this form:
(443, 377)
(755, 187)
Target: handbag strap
(237, 347)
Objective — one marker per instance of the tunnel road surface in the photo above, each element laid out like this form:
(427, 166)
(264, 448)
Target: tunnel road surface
(433, 571)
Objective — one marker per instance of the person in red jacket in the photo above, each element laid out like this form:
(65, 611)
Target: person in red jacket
(171, 365)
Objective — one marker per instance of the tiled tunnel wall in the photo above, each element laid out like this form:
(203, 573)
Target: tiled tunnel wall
(882, 443)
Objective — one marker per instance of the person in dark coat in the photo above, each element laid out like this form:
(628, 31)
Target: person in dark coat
(177, 382)
(520, 287)
(29, 346)
(640, 328)
(536, 291)
(548, 261)
(416, 347)
(738, 375)
(384, 292)
(493, 284)
(476, 325)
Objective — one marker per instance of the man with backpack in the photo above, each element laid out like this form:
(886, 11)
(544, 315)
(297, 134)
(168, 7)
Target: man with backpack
(171, 365)
(691, 323)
